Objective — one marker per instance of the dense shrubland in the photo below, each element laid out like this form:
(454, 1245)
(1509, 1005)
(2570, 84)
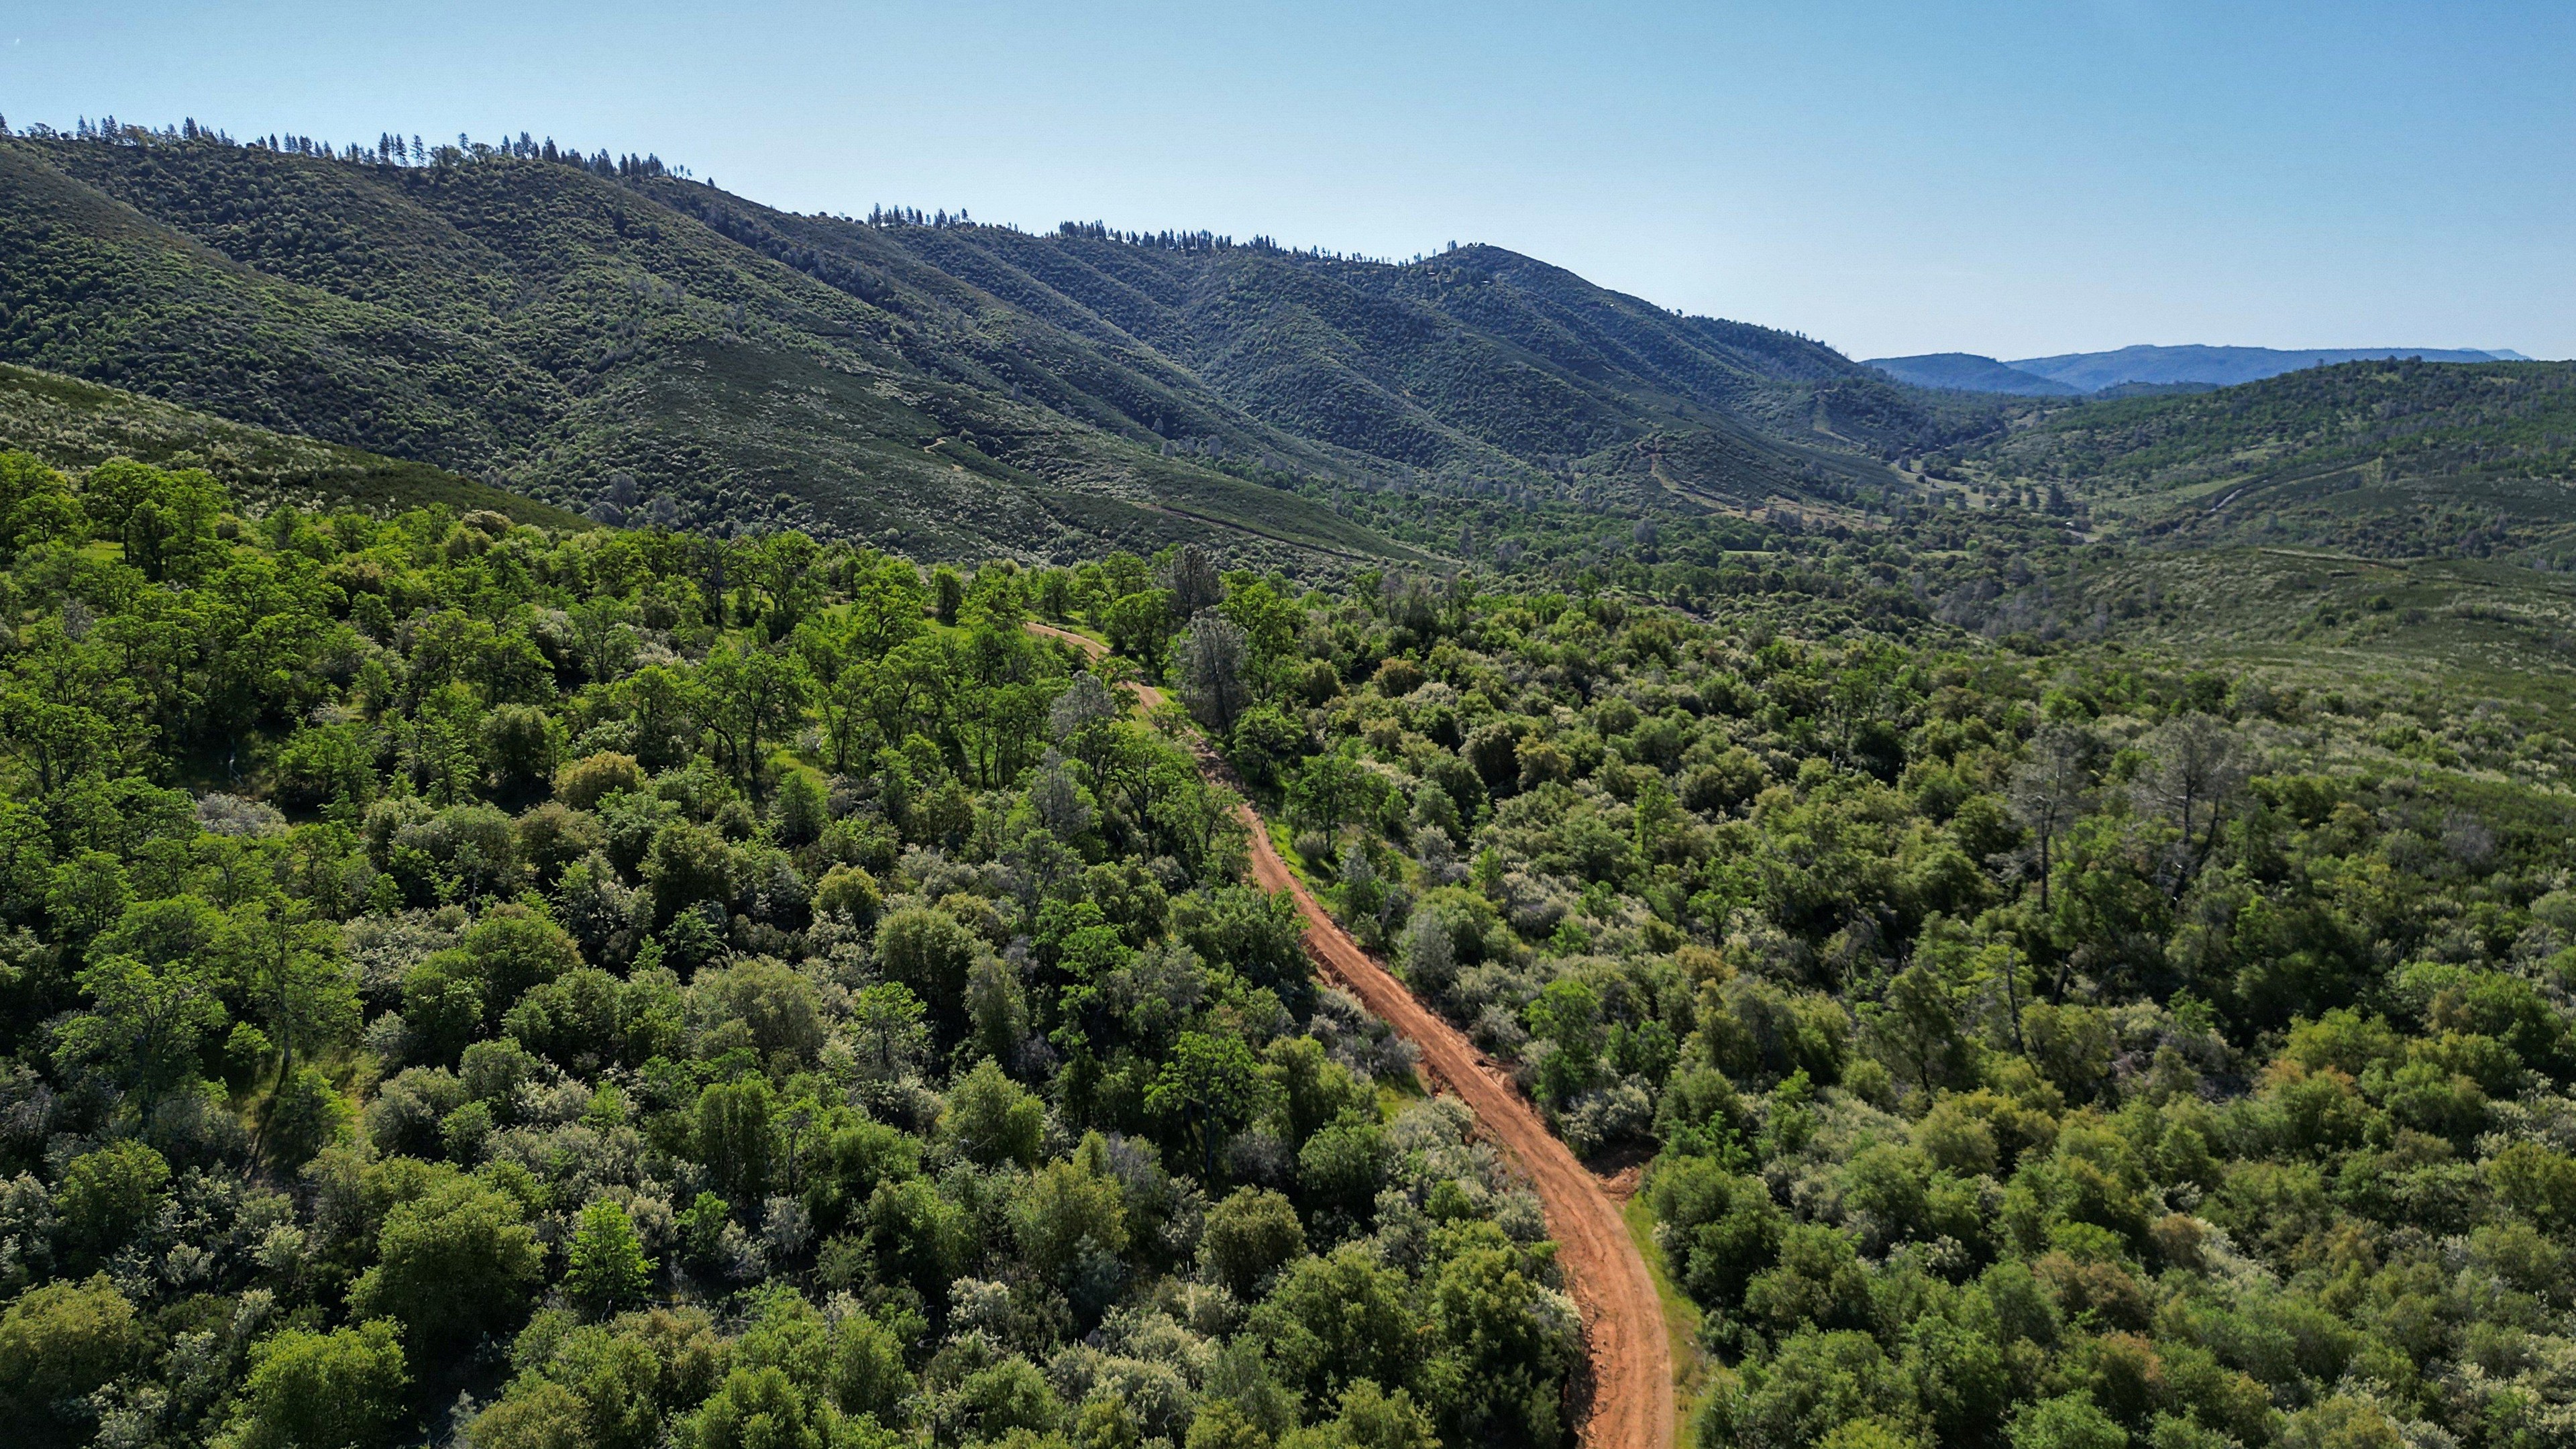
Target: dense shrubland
(624, 988)
(2055, 1048)
(469, 982)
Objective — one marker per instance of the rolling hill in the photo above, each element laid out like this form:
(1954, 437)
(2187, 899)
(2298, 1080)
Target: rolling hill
(565, 328)
(73, 424)
(2394, 459)
(1968, 372)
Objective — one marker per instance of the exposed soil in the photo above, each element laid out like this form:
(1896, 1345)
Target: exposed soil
(1630, 1388)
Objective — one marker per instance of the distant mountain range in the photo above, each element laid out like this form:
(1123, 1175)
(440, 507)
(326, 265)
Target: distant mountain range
(2079, 374)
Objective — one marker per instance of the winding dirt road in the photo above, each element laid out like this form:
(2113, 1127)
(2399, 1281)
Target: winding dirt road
(1631, 1383)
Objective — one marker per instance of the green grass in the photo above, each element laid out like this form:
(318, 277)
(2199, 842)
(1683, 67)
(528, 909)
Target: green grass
(1693, 1374)
(2327, 612)
(1281, 840)
(1395, 1093)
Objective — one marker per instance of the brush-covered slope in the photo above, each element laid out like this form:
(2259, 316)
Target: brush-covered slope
(74, 424)
(551, 330)
(952, 389)
(1478, 361)
(2389, 458)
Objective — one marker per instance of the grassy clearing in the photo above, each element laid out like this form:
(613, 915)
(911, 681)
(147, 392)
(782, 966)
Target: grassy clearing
(1693, 1374)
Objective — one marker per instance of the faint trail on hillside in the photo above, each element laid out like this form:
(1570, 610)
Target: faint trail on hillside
(1631, 1388)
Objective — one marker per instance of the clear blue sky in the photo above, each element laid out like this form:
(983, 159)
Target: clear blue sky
(2004, 178)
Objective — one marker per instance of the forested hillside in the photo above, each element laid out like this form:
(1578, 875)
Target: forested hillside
(2392, 459)
(552, 330)
(578, 330)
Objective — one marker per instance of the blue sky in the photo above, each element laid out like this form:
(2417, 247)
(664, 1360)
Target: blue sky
(2014, 179)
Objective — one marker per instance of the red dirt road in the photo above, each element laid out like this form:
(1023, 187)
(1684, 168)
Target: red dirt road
(1631, 1390)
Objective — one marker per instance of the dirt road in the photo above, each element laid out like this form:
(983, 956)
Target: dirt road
(1632, 1369)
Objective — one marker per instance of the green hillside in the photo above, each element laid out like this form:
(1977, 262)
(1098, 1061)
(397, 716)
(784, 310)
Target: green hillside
(1474, 359)
(556, 326)
(2394, 459)
(77, 425)
(555, 329)
(2463, 627)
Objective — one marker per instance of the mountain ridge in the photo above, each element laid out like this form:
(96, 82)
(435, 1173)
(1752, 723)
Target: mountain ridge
(2085, 374)
(2224, 366)
(560, 328)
